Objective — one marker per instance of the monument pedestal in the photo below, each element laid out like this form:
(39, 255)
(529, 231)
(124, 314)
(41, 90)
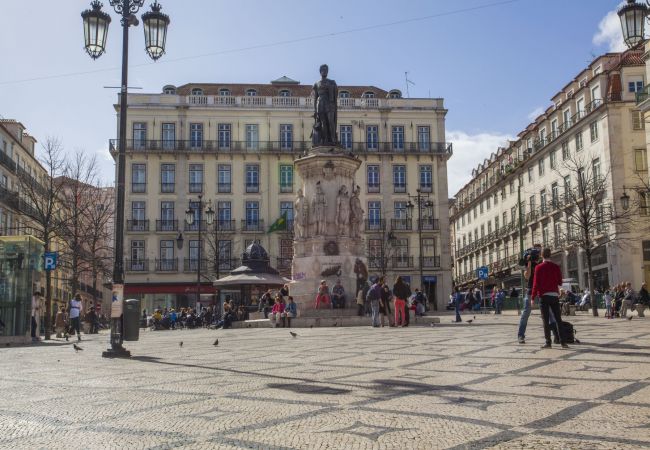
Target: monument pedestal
(328, 223)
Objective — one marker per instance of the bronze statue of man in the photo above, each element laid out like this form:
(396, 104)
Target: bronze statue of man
(325, 95)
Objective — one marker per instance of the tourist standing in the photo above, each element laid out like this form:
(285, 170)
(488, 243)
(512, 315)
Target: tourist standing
(401, 292)
(529, 274)
(37, 308)
(458, 299)
(374, 297)
(547, 279)
(384, 304)
(360, 303)
(608, 304)
(75, 316)
(60, 322)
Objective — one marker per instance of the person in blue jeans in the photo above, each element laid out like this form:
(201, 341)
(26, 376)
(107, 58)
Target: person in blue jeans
(458, 299)
(529, 274)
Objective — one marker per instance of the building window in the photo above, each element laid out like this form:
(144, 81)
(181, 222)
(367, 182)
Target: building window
(167, 214)
(286, 137)
(167, 178)
(398, 138)
(197, 91)
(169, 91)
(480, 205)
(555, 195)
(553, 159)
(567, 188)
(595, 171)
(426, 177)
(137, 255)
(138, 215)
(424, 138)
(284, 93)
(372, 171)
(167, 261)
(496, 223)
(374, 214)
(138, 178)
(196, 178)
(644, 204)
(565, 151)
(641, 160)
(286, 178)
(251, 92)
(345, 136)
(399, 178)
(540, 167)
(286, 208)
(139, 134)
(224, 216)
(505, 218)
(168, 131)
(344, 94)
(372, 137)
(638, 122)
(593, 131)
(224, 135)
(196, 135)
(530, 177)
(224, 178)
(224, 254)
(368, 94)
(579, 143)
(399, 210)
(252, 214)
(252, 178)
(635, 86)
(252, 137)
(531, 200)
(224, 92)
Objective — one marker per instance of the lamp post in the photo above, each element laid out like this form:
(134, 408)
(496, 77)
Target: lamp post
(625, 200)
(421, 200)
(190, 215)
(633, 17)
(95, 25)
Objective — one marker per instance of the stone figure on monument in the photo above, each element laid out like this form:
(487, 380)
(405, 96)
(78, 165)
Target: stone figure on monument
(325, 110)
(356, 216)
(319, 203)
(302, 215)
(343, 211)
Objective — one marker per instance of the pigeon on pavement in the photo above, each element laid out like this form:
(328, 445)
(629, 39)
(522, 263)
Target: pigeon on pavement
(293, 334)
(470, 321)
(76, 347)
(180, 344)
(216, 342)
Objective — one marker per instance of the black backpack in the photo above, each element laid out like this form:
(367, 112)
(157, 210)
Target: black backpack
(568, 333)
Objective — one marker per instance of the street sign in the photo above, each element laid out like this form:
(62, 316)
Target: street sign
(482, 273)
(49, 260)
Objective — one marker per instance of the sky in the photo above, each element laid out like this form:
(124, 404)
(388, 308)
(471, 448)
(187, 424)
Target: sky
(496, 63)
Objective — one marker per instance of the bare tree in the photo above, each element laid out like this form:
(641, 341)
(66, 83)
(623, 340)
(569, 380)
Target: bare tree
(99, 233)
(40, 201)
(590, 218)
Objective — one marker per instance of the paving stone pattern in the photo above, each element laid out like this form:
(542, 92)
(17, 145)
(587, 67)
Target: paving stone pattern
(453, 386)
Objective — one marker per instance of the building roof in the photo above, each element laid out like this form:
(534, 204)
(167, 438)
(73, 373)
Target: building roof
(272, 90)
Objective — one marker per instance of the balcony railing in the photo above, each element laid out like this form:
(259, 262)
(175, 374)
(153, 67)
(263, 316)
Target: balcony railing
(252, 226)
(196, 188)
(402, 262)
(642, 96)
(375, 224)
(226, 226)
(228, 264)
(215, 146)
(224, 188)
(399, 188)
(401, 224)
(167, 265)
(137, 265)
(286, 188)
(192, 264)
(252, 187)
(137, 225)
(167, 188)
(373, 189)
(138, 188)
(194, 226)
(430, 261)
(167, 225)
(430, 224)
(6, 161)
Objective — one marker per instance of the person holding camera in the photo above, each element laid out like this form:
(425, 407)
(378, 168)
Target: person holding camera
(548, 277)
(530, 260)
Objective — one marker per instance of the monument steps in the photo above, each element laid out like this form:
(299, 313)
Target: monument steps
(333, 321)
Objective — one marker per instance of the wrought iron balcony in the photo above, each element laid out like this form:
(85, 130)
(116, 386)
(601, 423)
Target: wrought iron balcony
(430, 261)
(252, 226)
(137, 265)
(137, 225)
(401, 224)
(375, 225)
(167, 265)
(167, 225)
(223, 225)
(194, 226)
(192, 264)
(402, 262)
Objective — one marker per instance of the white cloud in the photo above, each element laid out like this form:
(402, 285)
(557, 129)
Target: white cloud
(535, 113)
(469, 152)
(609, 33)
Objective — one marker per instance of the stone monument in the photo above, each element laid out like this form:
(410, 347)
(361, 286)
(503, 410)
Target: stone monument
(329, 218)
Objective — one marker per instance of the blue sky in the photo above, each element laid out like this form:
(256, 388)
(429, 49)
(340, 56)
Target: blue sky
(495, 63)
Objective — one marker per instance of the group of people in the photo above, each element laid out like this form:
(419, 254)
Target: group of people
(66, 319)
(621, 298)
(279, 308)
(377, 298)
(335, 299)
(170, 319)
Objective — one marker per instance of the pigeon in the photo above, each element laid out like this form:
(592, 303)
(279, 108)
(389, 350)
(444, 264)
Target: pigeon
(180, 344)
(470, 321)
(474, 317)
(76, 347)
(216, 342)
(311, 326)
(630, 318)
(293, 334)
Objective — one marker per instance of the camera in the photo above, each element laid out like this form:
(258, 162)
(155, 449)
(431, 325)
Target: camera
(531, 254)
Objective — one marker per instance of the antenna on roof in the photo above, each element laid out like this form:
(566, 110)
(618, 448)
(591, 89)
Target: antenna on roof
(406, 76)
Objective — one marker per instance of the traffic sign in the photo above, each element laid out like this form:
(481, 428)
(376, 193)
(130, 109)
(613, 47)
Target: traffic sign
(49, 260)
(482, 273)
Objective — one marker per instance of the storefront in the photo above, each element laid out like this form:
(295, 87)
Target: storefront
(173, 295)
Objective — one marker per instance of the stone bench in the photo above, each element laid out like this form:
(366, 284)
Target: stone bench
(340, 321)
(640, 308)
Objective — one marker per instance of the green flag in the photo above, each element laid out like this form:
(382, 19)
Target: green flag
(279, 224)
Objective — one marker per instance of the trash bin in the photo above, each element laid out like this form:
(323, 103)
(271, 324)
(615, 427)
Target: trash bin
(131, 319)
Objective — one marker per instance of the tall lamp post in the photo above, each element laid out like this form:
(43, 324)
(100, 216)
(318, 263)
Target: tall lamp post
(421, 200)
(190, 215)
(95, 24)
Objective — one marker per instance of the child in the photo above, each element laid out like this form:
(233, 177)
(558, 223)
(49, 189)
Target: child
(608, 305)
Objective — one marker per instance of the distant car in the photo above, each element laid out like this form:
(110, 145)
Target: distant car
(570, 284)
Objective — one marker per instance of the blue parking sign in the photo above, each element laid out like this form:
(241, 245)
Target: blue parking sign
(482, 273)
(49, 260)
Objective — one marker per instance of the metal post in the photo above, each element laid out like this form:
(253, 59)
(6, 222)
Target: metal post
(420, 241)
(521, 245)
(116, 349)
(198, 269)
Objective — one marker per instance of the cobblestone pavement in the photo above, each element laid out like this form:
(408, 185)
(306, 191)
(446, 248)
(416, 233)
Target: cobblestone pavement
(448, 386)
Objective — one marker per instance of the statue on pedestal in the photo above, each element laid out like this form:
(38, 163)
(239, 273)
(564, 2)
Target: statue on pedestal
(356, 216)
(319, 203)
(343, 211)
(325, 110)
(301, 221)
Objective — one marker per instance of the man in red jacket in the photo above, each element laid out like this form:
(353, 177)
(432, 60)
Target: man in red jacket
(548, 278)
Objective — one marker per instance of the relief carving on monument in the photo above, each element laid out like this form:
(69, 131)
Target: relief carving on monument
(319, 203)
(343, 211)
(356, 214)
(301, 221)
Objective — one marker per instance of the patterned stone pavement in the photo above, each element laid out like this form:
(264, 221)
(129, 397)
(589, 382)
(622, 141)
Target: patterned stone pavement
(448, 386)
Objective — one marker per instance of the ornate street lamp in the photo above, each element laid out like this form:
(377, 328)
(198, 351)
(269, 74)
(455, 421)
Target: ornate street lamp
(95, 23)
(189, 216)
(209, 215)
(625, 200)
(633, 17)
(179, 241)
(155, 26)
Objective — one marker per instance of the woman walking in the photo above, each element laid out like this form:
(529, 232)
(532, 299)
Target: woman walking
(401, 292)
